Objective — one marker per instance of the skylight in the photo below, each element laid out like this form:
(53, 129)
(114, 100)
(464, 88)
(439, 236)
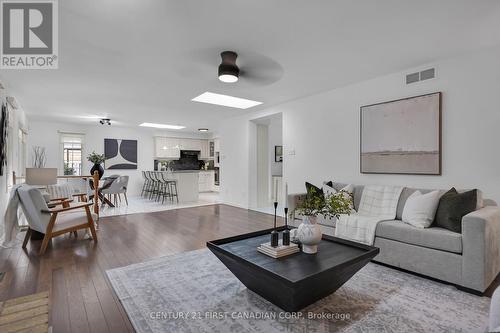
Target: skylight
(174, 127)
(225, 100)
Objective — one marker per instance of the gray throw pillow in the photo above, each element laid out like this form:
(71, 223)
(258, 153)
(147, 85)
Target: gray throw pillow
(452, 207)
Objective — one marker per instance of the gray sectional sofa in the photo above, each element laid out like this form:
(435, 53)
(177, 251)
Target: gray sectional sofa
(470, 259)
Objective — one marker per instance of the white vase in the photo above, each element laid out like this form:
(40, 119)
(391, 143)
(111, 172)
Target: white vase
(309, 234)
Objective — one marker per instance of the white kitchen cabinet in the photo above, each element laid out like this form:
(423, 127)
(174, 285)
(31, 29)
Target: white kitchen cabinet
(197, 144)
(206, 181)
(190, 144)
(217, 144)
(211, 148)
(159, 143)
(186, 144)
(170, 148)
(167, 148)
(205, 150)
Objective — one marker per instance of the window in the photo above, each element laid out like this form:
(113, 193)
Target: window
(72, 148)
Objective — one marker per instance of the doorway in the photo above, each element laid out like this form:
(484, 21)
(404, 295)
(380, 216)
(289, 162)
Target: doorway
(266, 164)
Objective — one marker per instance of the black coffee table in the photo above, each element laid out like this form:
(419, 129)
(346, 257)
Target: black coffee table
(295, 281)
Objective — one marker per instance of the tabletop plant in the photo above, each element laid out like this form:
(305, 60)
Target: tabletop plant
(96, 158)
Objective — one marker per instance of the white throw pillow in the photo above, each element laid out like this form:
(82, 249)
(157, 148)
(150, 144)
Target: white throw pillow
(348, 188)
(420, 209)
(328, 190)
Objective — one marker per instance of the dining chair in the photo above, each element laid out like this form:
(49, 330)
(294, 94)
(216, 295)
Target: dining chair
(118, 186)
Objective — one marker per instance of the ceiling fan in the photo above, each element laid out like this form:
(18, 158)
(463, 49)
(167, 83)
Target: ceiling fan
(244, 66)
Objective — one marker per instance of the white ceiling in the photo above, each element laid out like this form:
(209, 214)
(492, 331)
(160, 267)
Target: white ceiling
(144, 60)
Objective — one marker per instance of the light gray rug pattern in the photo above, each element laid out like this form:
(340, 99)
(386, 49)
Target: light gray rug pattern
(377, 299)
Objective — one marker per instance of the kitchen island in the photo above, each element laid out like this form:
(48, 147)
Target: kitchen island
(187, 184)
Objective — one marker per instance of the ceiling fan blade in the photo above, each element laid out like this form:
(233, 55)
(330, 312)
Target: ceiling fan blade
(261, 77)
(259, 69)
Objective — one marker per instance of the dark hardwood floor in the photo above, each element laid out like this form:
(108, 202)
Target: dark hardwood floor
(82, 299)
(73, 270)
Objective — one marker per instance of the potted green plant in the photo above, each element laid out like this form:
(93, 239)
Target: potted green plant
(314, 204)
(97, 159)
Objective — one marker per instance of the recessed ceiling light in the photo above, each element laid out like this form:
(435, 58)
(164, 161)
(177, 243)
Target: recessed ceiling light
(203, 129)
(225, 100)
(175, 127)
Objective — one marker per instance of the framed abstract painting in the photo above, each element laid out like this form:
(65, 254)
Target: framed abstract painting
(402, 136)
(120, 154)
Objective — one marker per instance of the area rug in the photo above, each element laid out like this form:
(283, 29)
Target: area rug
(195, 292)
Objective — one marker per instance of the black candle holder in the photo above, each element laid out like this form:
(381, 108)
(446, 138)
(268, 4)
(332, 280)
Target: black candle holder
(286, 232)
(274, 234)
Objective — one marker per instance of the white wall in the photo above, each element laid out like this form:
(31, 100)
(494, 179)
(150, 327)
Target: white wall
(46, 134)
(323, 130)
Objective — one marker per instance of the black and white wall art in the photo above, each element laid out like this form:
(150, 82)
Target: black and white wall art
(402, 136)
(4, 125)
(120, 154)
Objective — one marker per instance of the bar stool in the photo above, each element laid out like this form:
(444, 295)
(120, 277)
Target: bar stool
(145, 186)
(150, 184)
(172, 184)
(164, 188)
(155, 194)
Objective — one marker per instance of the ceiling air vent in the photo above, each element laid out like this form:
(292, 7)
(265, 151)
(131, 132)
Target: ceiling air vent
(413, 77)
(421, 76)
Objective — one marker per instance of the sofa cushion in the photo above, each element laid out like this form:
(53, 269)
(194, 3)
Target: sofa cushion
(434, 238)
